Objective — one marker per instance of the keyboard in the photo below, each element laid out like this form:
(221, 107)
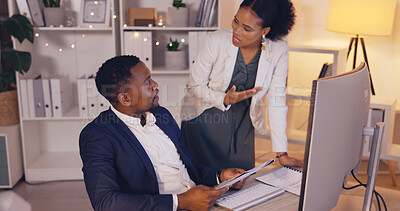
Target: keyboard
(249, 197)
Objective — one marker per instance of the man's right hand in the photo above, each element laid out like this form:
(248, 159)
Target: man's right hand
(199, 198)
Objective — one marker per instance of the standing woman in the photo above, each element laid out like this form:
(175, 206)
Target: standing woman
(233, 71)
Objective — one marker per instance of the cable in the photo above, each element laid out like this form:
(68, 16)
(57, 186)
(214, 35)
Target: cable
(377, 195)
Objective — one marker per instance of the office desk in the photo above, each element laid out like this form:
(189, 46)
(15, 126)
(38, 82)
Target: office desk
(287, 201)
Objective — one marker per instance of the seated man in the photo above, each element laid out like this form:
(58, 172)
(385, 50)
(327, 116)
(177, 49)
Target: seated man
(133, 154)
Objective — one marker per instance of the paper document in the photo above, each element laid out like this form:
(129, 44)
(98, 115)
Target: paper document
(286, 178)
(243, 175)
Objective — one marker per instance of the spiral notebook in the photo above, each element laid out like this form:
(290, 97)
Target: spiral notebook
(286, 178)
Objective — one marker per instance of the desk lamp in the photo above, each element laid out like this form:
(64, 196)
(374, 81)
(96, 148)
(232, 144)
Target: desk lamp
(361, 17)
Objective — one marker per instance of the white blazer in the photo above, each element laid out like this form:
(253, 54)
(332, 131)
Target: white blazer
(212, 73)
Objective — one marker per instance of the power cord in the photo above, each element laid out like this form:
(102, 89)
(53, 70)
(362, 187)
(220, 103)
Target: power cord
(377, 195)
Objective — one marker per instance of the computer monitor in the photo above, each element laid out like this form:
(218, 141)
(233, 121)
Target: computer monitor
(338, 114)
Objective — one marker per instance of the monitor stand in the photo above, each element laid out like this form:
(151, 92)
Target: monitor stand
(354, 202)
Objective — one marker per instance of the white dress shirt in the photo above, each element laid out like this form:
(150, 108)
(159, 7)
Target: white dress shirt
(172, 175)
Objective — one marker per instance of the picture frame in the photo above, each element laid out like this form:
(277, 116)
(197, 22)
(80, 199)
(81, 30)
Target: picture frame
(95, 13)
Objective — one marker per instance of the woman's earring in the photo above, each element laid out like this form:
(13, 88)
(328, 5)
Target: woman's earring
(263, 43)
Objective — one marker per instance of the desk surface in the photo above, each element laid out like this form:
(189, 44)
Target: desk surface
(286, 201)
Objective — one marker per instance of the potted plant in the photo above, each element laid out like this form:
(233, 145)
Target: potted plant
(174, 57)
(12, 61)
(54, 15)
(178, 14)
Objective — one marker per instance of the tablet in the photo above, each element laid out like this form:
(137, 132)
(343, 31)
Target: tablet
(244, 175)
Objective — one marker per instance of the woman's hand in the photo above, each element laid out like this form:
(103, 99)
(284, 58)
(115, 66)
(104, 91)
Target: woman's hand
(233, 97)
(290, 161)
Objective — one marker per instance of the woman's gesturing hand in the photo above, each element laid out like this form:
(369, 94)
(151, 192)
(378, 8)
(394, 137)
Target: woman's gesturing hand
(233, 97)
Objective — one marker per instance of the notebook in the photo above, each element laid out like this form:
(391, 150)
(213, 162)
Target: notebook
(286, 178)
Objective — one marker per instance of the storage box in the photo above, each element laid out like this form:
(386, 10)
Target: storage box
(141, 16)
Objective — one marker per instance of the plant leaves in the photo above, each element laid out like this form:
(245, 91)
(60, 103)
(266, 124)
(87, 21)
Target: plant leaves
(19, 60)
(19, 27)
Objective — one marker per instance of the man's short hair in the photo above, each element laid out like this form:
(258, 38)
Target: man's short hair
(114, 74)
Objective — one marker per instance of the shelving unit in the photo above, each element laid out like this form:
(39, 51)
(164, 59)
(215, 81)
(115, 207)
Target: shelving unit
(50, 145)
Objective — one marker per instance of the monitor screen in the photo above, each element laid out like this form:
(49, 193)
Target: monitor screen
(338, 113)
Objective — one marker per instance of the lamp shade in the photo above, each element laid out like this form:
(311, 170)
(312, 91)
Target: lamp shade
(362, 17)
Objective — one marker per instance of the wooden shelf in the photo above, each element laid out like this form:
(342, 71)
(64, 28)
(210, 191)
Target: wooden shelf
(71, 29)
(155, 28)
(50, 166)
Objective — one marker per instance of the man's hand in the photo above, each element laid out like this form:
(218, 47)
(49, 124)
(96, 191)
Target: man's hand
(290, 161)
(199, 198)
(233, 97)
(232, 173)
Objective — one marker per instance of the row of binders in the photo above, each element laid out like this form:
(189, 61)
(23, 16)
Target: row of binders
(206, 13)
(45, 97)
(90, 101)
(52, 97)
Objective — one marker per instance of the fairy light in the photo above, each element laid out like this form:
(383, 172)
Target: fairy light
(36, 34)
(72, 46)
(60, 50)
(95, 2)
(125, 25)
(46, 44)
(157, 43)
(182, 40)
(91, 26)
(114, 16)
(92, 13)
(83, 35)
(145, 39)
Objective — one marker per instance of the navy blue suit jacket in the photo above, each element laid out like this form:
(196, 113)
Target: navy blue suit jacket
(117, 171)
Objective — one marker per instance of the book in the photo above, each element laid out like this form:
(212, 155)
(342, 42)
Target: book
(324, 69)
(244, 175)
(212, 11)
(286, 178)
(200, 13)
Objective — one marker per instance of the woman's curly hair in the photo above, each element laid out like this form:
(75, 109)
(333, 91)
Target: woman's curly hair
(277, 14)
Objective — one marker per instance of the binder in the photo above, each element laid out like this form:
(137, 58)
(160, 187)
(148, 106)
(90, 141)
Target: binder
(60, 96)
(193, 48)
(38, 97)
(24, 9)
(48, 109)
(36, 12)
(31, 98)
(102, 102)
(139, 44)
(24, 97)
(92, 94)
(82, 97)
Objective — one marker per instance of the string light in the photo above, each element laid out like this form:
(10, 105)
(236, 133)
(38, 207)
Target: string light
(90, 26)
(125, 25)
(114, 16)
(37, 35)
(145, 39)
(95, 2)
(182, 40)
(72, 46)
(60, 49)
(157, 43)
(83, 35)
